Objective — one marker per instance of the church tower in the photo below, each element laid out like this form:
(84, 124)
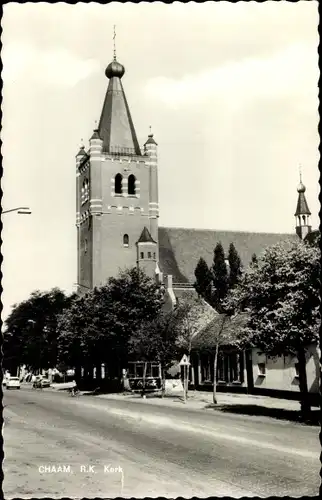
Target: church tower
(302, 213)
(117, 194)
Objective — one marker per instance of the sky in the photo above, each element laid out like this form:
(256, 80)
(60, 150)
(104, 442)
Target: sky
(230, 91)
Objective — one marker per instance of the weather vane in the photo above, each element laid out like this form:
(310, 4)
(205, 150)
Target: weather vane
(300, 170)
(114, 35)
(150, 129)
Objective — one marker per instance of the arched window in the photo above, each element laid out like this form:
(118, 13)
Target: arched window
(131, 184)
(85, 191)
(85, 246)
(118, 184)
(126, 240)
(304, 219)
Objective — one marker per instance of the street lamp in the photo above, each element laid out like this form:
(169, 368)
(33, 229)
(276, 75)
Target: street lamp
(20, 210)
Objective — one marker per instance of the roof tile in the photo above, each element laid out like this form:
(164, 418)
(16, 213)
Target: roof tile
(180, 248)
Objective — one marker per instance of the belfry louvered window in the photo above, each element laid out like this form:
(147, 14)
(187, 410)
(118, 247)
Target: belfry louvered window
(118, 184)
(85, 192)
(131, 188)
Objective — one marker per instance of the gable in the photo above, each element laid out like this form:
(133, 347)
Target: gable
(180, 248)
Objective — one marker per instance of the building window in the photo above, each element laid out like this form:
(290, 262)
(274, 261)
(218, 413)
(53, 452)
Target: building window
(131, 188)
(297, 370)
(149, 255)
(85, 246)
(118, 184)
(126, 240)
(261, 369)
(154, 255)
(142, 255)
(85, 192)
(206, 374)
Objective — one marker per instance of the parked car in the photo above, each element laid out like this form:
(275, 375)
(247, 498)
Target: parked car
(13, 383)
(45, 382)
(6, 377)
(40, 381)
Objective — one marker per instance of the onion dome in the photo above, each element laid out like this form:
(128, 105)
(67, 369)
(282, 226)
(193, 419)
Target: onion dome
(301, 188)
(115, 69)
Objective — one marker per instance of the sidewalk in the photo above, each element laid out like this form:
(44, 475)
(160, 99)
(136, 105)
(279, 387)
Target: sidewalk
(202, 400)
(242, 404)
(255, 406)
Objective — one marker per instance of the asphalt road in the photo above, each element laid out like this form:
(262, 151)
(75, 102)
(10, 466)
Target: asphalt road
(58, 446)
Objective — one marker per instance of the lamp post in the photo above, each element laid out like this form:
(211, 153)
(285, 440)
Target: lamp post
(20, 210)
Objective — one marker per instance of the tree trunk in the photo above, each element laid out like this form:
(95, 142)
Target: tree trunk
(215, 375)
(144, 377)
(187, 371)
(163, 382)
(304, 393)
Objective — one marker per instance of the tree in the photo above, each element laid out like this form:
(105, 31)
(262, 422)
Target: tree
(254, 260)
(220, 278)
(194, 314)
(234, 266)
(282, 297)
(101, 322)
(223, 329)
(31, 333)
(157, 340)
(223, 282)
(73, 327)
(203, 283)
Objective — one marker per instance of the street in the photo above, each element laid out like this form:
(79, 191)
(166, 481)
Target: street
(58, 446)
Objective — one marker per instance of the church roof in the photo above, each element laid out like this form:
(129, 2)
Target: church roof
(116, 127)
(180, 249)
(225, 328)
(146, 236)
(302, 207)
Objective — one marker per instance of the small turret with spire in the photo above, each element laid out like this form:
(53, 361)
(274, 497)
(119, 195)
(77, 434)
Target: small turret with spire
(302, 213)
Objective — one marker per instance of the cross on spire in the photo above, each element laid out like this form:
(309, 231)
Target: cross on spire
(114, 35)
(150, 129)
(300, 171)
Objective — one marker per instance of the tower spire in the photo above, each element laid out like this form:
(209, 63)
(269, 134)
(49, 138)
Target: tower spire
(302, 213)
(115, 126)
